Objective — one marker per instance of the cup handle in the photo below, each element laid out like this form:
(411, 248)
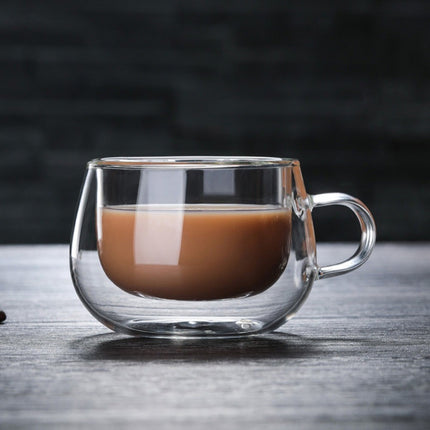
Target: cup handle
(368, 232)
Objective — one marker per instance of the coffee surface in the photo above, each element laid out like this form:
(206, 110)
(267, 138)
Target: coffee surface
(193, 252)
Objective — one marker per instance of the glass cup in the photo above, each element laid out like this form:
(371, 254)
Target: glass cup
(200, 246)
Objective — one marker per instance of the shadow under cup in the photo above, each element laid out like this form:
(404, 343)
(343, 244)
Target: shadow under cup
(202, 247)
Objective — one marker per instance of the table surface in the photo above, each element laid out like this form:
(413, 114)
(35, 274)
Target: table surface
(356, 356)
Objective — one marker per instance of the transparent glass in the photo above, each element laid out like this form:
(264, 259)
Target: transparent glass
(202, 246)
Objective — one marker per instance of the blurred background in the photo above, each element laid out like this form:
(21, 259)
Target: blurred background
(344, 86)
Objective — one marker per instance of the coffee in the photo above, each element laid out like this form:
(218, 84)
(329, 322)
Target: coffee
(193, 252)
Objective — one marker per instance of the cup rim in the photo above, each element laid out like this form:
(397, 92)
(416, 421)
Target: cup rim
(189, 162)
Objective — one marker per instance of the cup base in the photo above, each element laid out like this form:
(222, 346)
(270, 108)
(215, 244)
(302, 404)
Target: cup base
(219, 328)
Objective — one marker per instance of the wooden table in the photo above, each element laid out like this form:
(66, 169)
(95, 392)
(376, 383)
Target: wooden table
(356, 356)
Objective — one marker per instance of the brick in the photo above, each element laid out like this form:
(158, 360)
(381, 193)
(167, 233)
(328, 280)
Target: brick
(343, 86)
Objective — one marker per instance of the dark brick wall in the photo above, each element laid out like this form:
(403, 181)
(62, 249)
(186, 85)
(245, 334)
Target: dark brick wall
(342, 85)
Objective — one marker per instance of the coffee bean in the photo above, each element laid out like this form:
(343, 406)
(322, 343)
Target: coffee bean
(2, 316)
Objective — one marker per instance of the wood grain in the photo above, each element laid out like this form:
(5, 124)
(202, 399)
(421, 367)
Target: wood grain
(356, 356)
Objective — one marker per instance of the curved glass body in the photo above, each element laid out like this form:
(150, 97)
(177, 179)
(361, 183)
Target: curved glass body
(195, 246)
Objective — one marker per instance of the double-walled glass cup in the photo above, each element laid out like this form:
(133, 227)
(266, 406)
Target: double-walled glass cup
(200, 246)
